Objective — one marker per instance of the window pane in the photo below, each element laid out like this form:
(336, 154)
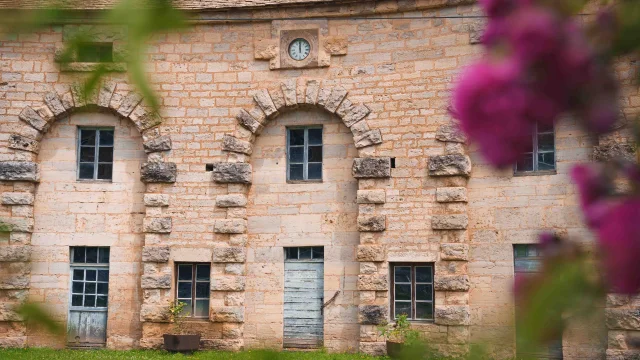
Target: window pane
(315, 171)
(423, 274)
(520, 250)
(318, 252)
(105, 171)
(545, 142)
(78, 255)
(403, 308)
(202, 290)
(106, 137)
(291, 253)
(77, 287)
(305, 253)
(187, 310)
(315, 136)
(101, 301)
(78, 274)
(90, 301)
(87, 153)
(296, 137)
(76, 300)
(545, 128)
(103, 288)
(86, 171)
(202, 308)
(88, 137)
(424, 292)
(315, 154)
(184, 290)
(546, 161)
(103, 275)
(402, 274)
(402, 292)
(90, 288)
(424, 310)
(92, 256)
(296, 154)
(295, 172)
(203, 272)
(184, 272)
(91, 275)
(105, 154)
(103, 257)
(526, 163)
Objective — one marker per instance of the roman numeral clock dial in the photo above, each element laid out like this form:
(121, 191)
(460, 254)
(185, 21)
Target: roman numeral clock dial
(299, 49)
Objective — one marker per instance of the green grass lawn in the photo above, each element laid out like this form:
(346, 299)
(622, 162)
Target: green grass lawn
(51, 354)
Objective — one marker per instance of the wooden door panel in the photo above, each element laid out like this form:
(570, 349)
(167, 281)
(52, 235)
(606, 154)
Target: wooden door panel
(303, 297)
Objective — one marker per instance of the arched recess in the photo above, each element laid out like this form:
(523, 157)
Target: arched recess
(19, 178)
(371, 172)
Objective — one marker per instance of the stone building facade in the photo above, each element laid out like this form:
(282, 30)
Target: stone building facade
(209, 182)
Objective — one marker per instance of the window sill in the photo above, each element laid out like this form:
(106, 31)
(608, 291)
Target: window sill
(535, 173)
(88, 67)
(304, 181)
(97, 181)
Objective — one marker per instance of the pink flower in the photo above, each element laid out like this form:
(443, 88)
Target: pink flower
(496, 8)
(534, 33)
(594, 190)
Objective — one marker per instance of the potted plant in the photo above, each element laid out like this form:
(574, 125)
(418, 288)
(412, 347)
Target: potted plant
(179, 340)
(398, 336)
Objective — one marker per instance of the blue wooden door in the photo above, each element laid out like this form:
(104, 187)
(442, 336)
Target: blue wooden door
(303, 299)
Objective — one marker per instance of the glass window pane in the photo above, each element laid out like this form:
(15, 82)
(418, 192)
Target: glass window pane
(296, 136)
(545, 142)
(402, 292)
(103, 288)
(296, 172)
(105, 154)
(545, 128)
(315, 136)
(315, 171)
(86, 171)
(77, 287)
(105, 171)
(92, 256)
(78, 274)
(103, 257)
(88, 137)
(103, 275)
(546, 161)
(424, 292)
(106, 137)
(315, 154)
(203, 272)
(90, 301)
(184, 272)
(305, 253)
(424, 310)
(423, 274)
(101, 301)
(78, 255)
(202, 308)
(403, 308)
(202, 290)
(318, 252)
(532, 250)
(291, 253)
(526, 163)
(91, 275)
(76, 300)
(90, 288)
(520, 250)
(296, 154)
(187, 310)
(87, 153)
(184, 290)
(402, 274)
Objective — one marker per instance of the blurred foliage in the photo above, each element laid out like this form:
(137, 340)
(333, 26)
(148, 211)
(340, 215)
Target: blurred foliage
(35, 315)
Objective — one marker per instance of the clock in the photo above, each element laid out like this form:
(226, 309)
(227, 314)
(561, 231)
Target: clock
(299, 49)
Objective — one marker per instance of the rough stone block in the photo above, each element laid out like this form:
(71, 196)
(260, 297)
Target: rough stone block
(227, 283)
(449, 222)
(372, 314)
(229, 255)
(353, 114)
(454, 252)
(144, 119)
(19, 171)
(368, 268)
(452, 283)
(234, 269)
(15, 281)
(34, 119)
(162, 281)
(373, 348)
(373, 282)
(335, 45)
(227, 314)
(450, 133)
(160, 225)
(154, 313)
(230, 226)
(105, 93)
(371, 197)
(226, 344)
(52, 100)
(155, 200)
(311, 93)
(129, 103)
(449, 165)
(289, 90)
(369, 138)
(158, 172)
(263, 99)
(372, 253)
(372, 167)
(16, 198)
(67, 100)
(623, 319)
(157, 254)
(20, 142)
(451, 194)
(265, 49)
(249, 122)
(614, 150)
(161, 143)
(225, 172)
(8, 312)
(372, 223)
(233, 144)
(22, 225)
(334, 99)
(452, 315)
(231, 200)
(15, 253)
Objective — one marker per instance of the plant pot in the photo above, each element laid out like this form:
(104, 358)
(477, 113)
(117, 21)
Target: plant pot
(394, 349)
(181, 343)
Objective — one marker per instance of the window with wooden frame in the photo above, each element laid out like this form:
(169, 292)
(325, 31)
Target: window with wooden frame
(542, 156)
(193, 282)
(304, 253)
(412, 291)
(95, 153)
(304, 153)
(90, 277)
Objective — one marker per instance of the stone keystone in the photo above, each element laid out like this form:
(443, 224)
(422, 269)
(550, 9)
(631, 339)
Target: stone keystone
(263, 99)
(15, 253)
(224, 172)
(373, 282)
(311, 94)
(449, 222)
(372, 223)
(454, 252)
(156, 281)
(249, 122)
(19, 171)
(371, 253)
(372, 314)
(371, 197)
(17, 198)
(161, 143)
(289, 90)
(449, 165)
(373, 167)
(157, 254)
(155, 200)
(233, 144)
(451, 194)
(450, 133)
(227, 283)
(227, 314)
(452, 283)
(452, 315)
(158, 172)
(230, 226)
(23, 143)
(231, 200)
(160, 225)
(34, 119)
(229, 255)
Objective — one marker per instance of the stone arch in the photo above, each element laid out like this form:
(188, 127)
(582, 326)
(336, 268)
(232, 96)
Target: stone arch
(21, 175)
(237, 173)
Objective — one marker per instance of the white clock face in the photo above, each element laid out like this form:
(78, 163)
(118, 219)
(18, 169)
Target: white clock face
(299, 49)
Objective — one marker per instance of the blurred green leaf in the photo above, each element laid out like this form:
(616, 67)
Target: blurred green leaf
(35, 314)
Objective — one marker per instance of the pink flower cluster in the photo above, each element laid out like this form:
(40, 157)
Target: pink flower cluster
(539, 66)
